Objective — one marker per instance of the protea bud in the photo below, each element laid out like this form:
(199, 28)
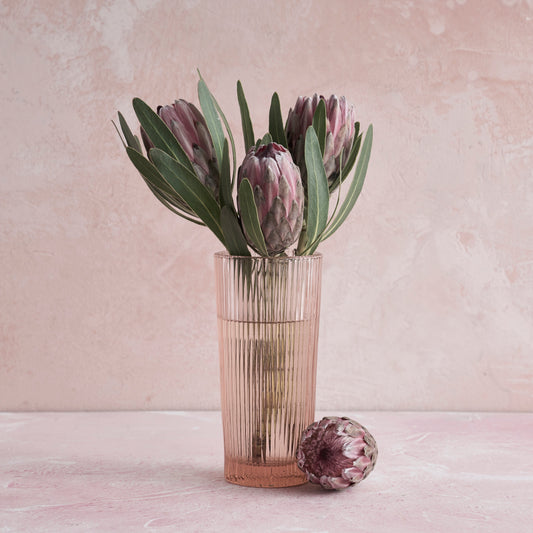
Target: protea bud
(336, 452)
(190, 129)
(340, 131)
(278, 194)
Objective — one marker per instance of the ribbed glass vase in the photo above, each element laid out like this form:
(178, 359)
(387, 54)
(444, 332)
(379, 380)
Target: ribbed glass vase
(268, 316)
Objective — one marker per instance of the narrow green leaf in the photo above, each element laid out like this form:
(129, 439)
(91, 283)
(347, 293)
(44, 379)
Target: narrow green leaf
(354, 152)
(158, 185)
(347, 167)
(138, 143)
(131, 140)
(357, 127)
(332, 216)
(235, 241)
(267, 138)
(302, 240)
(250, 217)
(193, 191)
(317, 187)
(231, 139)
(226, 197)
(227, 127)
(312, 249)
(212, 119)
(319, 124)
(148, 170)
(153, 178)
(169, 204)
(119, 134)
(247, 128)
(275, 122)
(355, 187)
(159, 133)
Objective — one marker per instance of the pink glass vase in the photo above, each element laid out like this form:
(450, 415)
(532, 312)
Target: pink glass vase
(268, 315)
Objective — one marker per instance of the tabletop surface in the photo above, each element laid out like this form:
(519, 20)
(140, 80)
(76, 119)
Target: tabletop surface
(163, 472)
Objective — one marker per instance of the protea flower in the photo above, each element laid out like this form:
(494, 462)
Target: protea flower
(340, 131)
(337, 452)
(190, 129)
(278, 194)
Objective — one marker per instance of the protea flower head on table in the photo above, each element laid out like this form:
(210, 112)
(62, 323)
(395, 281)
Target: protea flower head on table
(270, 213)
(337, 452)
(284, 184)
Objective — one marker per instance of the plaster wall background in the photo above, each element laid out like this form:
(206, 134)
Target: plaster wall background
(107, 298)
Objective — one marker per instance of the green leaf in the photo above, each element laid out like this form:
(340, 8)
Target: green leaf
(247, 128)
(119, 134)
(226, 197)
(159, 186)
(352, 157)
(231, 139)
(319, 124)
(250, 217)
(267, 139)
(169, 204)
(193, 191)
(228, 130)
(312, 249)
(159, 133)
(275, 122)
(138, 143)
(347, 167)
(341, 181)
(207, 103)
(317, 188)
(235, 241)
(148, 170)
(357, 126)
(355, 187)
(131, 140)
(151, 175)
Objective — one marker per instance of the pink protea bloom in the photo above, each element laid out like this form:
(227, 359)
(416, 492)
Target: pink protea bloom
(340, 131)
(337, 452)
(190, 129)
(278, 194)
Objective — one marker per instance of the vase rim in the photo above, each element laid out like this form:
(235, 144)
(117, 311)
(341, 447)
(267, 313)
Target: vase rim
(226, 254)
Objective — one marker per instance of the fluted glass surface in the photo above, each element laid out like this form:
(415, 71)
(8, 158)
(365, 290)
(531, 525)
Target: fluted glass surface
(268, 314)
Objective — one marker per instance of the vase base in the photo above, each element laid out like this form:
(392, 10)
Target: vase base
(265, 476)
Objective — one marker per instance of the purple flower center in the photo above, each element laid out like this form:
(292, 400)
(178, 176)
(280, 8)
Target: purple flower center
(325, 453)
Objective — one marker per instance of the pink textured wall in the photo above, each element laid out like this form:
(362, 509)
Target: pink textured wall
(107, 299)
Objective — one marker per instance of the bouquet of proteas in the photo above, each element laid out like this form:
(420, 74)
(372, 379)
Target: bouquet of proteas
(284, 183)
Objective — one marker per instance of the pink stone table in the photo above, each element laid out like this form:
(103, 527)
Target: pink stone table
(162, 472)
